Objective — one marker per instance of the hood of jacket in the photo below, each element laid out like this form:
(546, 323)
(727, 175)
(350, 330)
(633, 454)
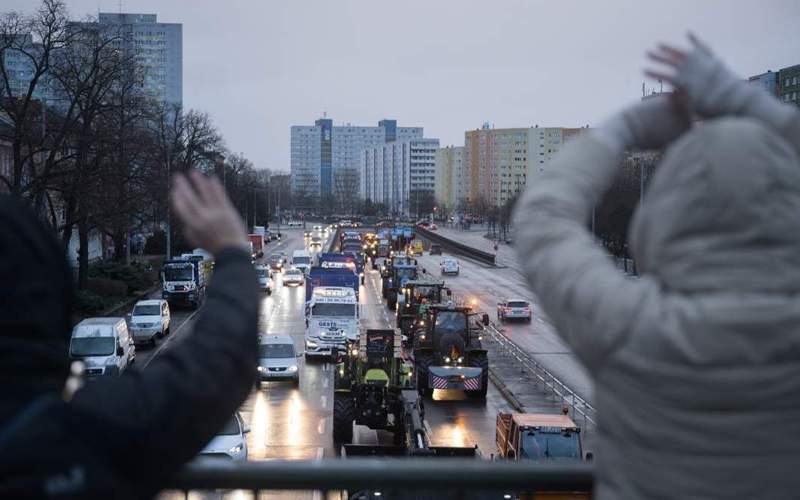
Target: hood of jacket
(36, 298)
(722, 212)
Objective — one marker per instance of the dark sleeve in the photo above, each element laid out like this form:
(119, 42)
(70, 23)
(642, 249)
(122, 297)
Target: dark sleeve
(150, 421)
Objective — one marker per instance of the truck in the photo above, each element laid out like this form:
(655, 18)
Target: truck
(373, 387)
(539, 437)
(258, 245)
(413, 302)
(448, 353)
(332, 320)
(301, 259)
(183, 281)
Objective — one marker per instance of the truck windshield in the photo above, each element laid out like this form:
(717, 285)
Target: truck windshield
(428, 292)
(406, 273)
(329, 309)
(551, 446)
(178, 274)
(149, 310)
(451, 322)
(276, 351)
(302, 260)
(92, 346)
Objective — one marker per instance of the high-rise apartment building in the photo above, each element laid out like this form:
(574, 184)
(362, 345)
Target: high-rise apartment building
(399, 175)
(451, 188)
(767, 81)
(319, 151)
(158, 48)
(496, 161)
(789, 84)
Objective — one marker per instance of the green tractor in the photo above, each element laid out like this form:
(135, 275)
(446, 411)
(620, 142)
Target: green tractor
(448, 353)
(368, 385)
(413, 302)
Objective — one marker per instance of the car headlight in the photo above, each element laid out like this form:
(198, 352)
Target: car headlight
(292, 368)
(260, 368)
(311, 343)
(236, 449)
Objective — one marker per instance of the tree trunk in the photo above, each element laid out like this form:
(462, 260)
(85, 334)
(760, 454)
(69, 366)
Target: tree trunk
(83, 251)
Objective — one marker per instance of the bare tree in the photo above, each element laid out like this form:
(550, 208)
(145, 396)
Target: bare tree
(345, 190)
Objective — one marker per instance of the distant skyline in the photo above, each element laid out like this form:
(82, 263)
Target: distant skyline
(448, 65)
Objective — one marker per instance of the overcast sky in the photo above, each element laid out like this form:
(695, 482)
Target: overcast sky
(260, 66)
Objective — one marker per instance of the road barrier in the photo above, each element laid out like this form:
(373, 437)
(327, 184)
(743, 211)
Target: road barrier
(541, 375)
(390, 478)
(455, 246)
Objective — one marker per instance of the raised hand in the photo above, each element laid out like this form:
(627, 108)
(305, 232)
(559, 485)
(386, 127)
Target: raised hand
(209, 219)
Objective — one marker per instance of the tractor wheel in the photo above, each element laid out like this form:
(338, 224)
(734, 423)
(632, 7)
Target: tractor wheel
(392, 302)
(421, 364)
(479, 360)
(344, 413)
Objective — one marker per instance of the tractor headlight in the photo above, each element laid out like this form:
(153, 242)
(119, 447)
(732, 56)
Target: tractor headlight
(354, 351)
(422, 337)
(447, 359)
(460, 360)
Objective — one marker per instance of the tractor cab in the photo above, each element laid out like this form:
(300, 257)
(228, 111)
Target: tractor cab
(413, 302)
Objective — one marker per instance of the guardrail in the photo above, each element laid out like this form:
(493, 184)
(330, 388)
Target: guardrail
(456, 247)
(390, 478)
(542, 375)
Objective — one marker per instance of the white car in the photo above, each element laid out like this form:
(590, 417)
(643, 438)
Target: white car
(264, 279)
(229, 443)
(149, 320)
(277, 359)
(514, 309)
(317, 229)
(293, 276)
(450, 266)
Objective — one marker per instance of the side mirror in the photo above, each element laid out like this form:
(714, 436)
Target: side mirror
(245, 428)
(120, 352)
(485, 319)
(589, 456)
(128, 315)
(298, 355)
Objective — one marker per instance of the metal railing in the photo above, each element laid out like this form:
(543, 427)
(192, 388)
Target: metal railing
(542, 375)
(455, 478)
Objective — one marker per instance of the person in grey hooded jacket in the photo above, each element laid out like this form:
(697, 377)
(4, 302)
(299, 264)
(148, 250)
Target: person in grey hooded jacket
(697, 362)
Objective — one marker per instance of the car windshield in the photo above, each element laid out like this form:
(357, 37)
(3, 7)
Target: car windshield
(178, 273)
(551, 445)
(262, 272)
(302, 260)
(231, 428)
(451, 322)
(147, 310)
(276, 351)
(92, 346)
(328, 309)
(517, 303)
(295, 272)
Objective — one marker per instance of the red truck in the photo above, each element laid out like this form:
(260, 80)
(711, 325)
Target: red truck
(258, 244)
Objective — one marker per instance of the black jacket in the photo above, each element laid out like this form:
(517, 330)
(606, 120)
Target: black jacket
(118, 437)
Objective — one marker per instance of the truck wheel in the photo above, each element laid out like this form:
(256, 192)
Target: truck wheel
(421, 364)
(479, 360)
(344, 412)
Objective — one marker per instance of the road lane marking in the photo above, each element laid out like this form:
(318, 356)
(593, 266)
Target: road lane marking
(321, 426)
(320, 453)
(323, 401)
(427, 428)
(325, 383)
(171, 336)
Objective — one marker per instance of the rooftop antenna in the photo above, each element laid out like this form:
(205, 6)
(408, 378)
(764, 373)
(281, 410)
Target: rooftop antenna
(120, 6)
(643, 91)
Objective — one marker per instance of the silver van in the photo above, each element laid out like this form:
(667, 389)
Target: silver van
(103, 344)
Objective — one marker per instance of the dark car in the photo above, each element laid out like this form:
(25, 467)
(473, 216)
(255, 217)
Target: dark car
(435, 249)
(275, 262)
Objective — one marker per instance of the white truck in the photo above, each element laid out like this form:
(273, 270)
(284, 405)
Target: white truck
(332, 318)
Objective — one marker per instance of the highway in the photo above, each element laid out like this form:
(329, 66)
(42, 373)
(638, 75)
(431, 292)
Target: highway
(292, 423)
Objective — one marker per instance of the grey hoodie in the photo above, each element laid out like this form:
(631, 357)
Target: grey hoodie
(697, 362)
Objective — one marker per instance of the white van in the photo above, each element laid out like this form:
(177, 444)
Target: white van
(103, 344)
(301, 259)
(332, 318)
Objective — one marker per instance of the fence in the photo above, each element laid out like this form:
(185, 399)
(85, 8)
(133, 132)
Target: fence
(389, 478)
(542, 375)
(456, 247)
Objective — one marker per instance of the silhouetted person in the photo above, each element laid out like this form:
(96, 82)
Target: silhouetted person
(117, 437)
(697, 362)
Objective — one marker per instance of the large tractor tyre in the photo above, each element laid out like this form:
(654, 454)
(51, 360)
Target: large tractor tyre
(399, 438)
(391, 300)
(344, 413)
(480, 360)
(421, 364)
